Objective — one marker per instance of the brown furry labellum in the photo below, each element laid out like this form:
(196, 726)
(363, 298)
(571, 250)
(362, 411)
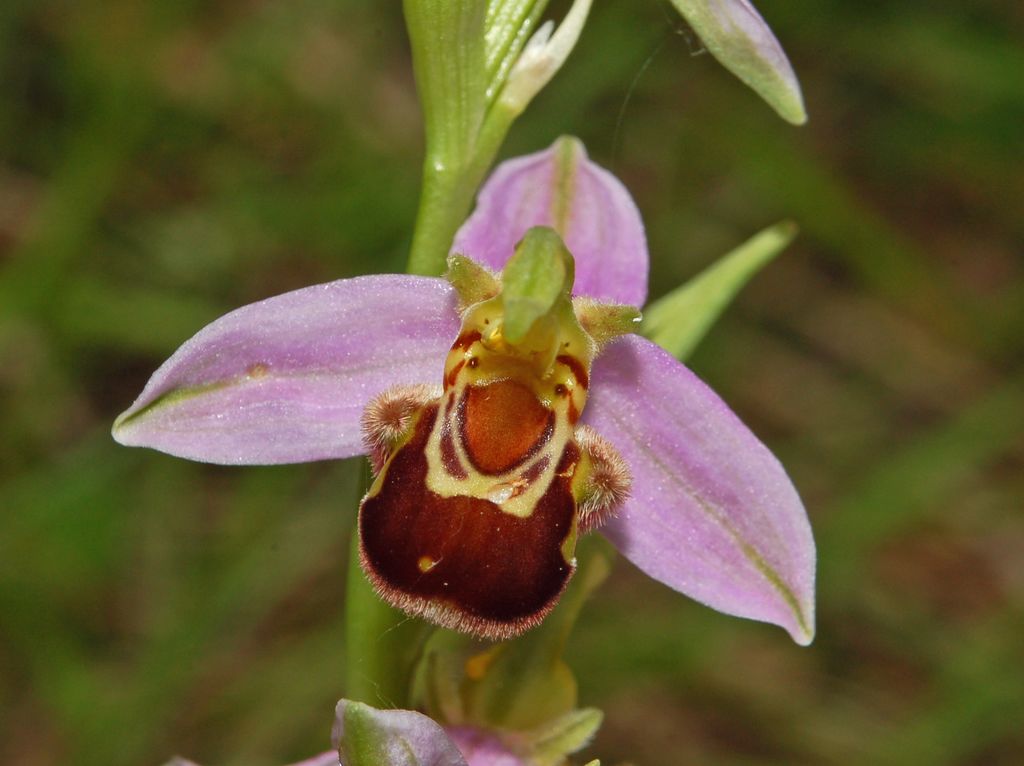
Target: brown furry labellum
(481, 492)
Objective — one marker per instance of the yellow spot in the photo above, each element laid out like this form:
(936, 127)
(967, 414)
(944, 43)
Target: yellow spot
(477, 665)
(569, 543)
(426, 563)
(258, 370)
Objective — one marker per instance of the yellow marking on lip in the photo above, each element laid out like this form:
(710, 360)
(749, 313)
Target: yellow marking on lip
(425, 564)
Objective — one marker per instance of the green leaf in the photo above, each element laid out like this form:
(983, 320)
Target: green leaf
(678, 321)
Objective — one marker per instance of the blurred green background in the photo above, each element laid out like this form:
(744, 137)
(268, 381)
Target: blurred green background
(162, 163)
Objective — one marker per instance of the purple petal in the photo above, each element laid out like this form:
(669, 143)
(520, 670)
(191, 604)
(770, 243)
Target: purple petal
(482, 749)
(712, 512)
(285, 380)
(393, 737)
(588, 206)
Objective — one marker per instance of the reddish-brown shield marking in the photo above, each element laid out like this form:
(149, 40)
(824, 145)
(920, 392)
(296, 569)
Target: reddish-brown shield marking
(461, 561)
(502, 425)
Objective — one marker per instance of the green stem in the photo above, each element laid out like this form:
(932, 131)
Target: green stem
(382, 644)
(444, 204)
(448, 193)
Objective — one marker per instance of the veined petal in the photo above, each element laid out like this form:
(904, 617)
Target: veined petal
(740, 39)
(589, 207)
(370, 737)
(712, 512)
(483, 749)
(285, 380)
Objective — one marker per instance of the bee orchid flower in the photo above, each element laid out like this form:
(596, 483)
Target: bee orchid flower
(504, 416)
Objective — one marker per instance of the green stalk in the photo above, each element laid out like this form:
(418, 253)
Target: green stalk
(444, 204)
(449, 58)
(381, 643)
(448, 194)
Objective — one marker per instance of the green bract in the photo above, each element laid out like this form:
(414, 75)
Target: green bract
(740, 39)
(679, 321)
